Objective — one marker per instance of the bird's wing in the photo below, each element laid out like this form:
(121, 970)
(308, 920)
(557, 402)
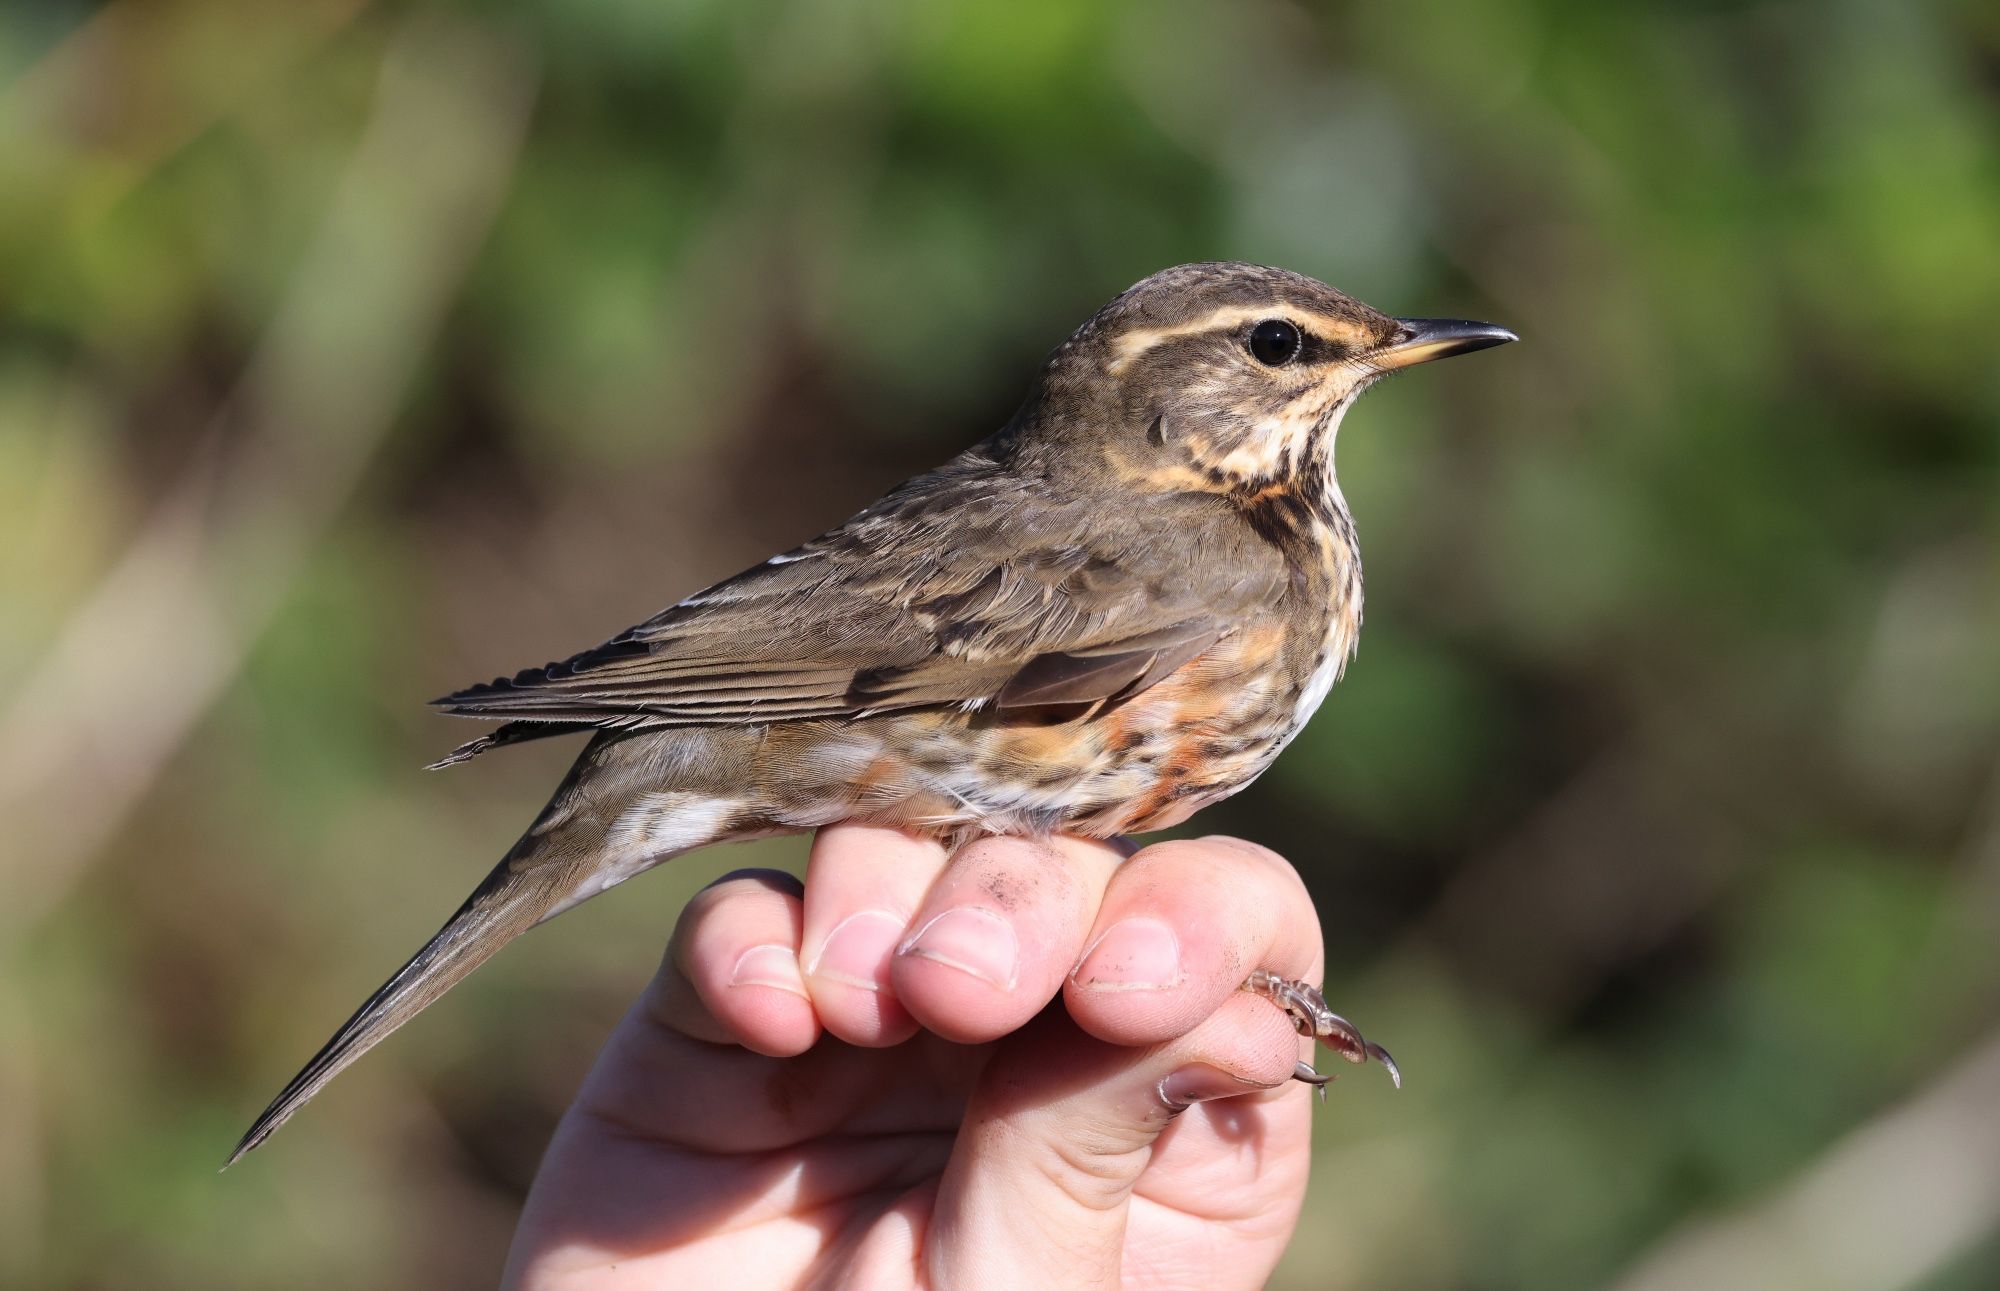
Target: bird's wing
(969, 589)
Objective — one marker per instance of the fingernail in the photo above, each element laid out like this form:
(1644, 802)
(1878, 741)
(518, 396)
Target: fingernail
(769, 965)
(1201, 1083)
(1137, 954)
(971, 939)
(858, 950)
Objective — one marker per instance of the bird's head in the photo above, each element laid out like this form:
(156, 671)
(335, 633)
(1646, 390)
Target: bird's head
(1230, 377)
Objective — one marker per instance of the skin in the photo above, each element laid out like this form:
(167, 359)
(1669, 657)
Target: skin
(844, 1085)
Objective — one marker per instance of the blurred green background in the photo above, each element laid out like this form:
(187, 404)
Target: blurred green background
(351, 352)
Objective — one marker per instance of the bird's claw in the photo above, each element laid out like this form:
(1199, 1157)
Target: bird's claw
(1308, 1011)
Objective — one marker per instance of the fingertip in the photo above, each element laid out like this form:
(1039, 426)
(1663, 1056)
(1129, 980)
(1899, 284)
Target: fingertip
(766, 1004)
(1274, 863)
(1183, 925)
(1258, 1041)
(999, 933)
(1133, 984)
(862, 882)
(845, 847)
(737, 946)
(850, 978)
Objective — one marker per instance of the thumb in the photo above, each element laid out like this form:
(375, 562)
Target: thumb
(1061, 1128)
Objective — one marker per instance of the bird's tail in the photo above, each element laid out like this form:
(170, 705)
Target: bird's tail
(611, 799)
(512, 899)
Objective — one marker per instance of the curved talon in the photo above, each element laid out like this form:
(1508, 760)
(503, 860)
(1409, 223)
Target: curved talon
(1305, 1072)
(1310, 1016)
(1381, 1055)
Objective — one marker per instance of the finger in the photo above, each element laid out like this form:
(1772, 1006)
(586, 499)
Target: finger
(863, 883)
(1062, 1126)
(1181, 927)
(998, 933)
(732, 968)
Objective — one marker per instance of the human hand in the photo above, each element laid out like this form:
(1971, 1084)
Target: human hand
(955, 1128)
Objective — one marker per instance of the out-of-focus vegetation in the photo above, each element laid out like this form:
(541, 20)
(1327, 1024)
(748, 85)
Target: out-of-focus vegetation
(352, 352)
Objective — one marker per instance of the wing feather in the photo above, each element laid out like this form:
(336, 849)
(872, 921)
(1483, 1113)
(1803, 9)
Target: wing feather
(964, 587)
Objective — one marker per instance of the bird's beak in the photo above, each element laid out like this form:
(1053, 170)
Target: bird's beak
(1424, 339)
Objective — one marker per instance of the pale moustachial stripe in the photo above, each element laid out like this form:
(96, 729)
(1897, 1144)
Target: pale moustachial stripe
(1291, 429)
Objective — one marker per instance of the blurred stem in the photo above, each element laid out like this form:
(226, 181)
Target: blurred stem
(146, 654)
(1889, 1206)
(23, 1153)
(102, 110)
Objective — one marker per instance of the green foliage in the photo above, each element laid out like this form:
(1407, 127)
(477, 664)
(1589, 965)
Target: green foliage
(1653, 828)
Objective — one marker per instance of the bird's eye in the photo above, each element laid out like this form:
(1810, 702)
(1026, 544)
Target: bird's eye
(1274, 342)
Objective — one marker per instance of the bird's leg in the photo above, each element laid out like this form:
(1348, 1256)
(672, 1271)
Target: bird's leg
(1308, 1011)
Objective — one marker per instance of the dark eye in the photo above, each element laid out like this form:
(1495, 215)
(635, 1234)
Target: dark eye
(1274, 342)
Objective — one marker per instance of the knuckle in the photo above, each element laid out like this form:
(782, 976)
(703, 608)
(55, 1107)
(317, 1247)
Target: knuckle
(999, 850)
(762, 877)
(1173, 850)
(1091, 1170)
(1256, 853)
(731, 891)
(738, 884)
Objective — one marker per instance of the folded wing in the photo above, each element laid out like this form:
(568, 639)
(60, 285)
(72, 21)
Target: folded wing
(964, 587)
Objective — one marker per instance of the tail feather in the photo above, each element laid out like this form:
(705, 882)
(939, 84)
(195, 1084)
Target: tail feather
(512, 899)
(561, 860)
(511, 733)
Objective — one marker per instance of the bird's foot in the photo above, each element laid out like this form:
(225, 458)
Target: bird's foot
(1308, 1011)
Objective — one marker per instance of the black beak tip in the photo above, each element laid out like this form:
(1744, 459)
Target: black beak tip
(1440, 337)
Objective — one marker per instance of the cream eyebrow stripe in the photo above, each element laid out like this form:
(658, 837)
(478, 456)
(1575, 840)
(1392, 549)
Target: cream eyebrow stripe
(1133, 344)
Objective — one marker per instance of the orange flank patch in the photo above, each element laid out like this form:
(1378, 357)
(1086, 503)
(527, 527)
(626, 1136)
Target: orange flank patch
(1036, 753)
(881, 779)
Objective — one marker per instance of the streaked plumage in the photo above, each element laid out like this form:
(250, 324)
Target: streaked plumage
(1113, 612)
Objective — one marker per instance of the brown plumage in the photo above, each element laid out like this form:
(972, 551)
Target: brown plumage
(1113, 612)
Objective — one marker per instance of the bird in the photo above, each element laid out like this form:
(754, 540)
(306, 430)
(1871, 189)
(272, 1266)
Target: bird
(1117, 609)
